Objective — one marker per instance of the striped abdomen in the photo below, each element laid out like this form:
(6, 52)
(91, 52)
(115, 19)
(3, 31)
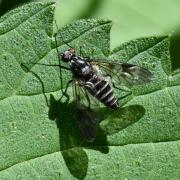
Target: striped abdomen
(100, 88)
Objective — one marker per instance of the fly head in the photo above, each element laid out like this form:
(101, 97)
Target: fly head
(67, 55)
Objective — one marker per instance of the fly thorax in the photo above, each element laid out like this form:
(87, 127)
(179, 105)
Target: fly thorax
(80, 67)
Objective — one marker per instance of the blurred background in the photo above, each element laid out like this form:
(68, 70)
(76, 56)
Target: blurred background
(131, 18)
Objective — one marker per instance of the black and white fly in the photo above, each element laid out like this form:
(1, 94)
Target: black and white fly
(93, 82)
(90, 86)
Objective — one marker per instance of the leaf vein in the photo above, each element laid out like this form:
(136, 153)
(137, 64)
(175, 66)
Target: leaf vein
(88, 147)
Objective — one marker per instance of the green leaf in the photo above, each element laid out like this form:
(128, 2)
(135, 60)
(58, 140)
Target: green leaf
(38, 134)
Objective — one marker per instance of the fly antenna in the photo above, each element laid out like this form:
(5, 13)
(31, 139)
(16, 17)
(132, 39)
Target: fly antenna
(55, 65)
(59, 59)
(60, 35)
(58, 54)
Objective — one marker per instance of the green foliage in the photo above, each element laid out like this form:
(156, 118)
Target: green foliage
(38, 134)
(131, 19)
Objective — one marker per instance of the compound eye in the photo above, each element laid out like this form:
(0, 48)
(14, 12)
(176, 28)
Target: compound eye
(66, 56)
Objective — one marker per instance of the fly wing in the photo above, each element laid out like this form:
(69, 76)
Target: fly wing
(124, 73)
(86, 112)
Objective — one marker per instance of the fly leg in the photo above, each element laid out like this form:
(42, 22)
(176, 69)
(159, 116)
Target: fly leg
(81, 54)
(87, 97)
(122, 89)
(119, 88)
(90, 87)
(80, 50)
(64, 93)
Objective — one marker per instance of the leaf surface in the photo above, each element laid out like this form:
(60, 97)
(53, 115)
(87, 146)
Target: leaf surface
(38, 134)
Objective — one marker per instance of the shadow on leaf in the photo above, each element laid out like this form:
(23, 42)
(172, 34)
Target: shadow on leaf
(27, 70)
(77, 161)
(69, 137)
(71, 142)
(174, 49)
(124, 117)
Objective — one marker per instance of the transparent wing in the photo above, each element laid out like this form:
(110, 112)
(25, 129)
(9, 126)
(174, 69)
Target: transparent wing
(86, 111)
(124, 73)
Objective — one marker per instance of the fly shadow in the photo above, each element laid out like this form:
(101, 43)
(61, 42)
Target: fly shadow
(27, 70)
(72, 144)
(71, 141)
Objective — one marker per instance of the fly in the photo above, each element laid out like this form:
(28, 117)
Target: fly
(93, 82)
(91, 87)
(89, 77)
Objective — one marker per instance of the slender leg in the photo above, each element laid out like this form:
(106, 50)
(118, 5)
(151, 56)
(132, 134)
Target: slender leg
(121, 89)
(125, 96)
(125, 90)
(81, 54)
(55, 65)
(87, 97)
(59, 59)
(114, 86)
(80, 51)
(61, 35)
(60, 71)
(67, 85)
(64, 93)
